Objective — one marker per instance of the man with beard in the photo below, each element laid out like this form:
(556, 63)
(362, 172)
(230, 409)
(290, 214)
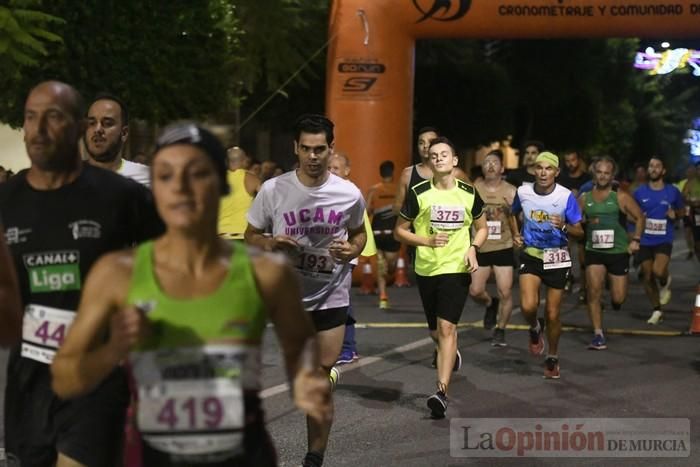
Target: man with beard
(60, 216)
(317, 219)
(662, 204)
(607, 246)
(107, 131)
(576, 172)
(526, 173)
(496, 254)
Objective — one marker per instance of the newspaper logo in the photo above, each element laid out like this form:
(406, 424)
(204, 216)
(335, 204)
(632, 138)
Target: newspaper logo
(575, 437)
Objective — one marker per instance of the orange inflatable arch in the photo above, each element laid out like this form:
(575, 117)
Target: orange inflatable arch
(369, 86)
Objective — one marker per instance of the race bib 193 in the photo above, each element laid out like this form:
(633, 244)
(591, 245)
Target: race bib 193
(43, 331)
(494, 229)
(315, 263)
(446, 217)
(655, 227)
(556, 258)
(603, 239)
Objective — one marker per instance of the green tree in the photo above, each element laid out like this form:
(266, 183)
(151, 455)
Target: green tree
(170, 60)
(581, 94)
(24, 35)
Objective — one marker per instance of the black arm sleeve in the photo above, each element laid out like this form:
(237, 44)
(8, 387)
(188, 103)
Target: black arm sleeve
(478, 206)
(409, 210)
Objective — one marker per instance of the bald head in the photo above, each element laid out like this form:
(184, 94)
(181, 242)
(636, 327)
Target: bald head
(65, 93)
(53, 124)
(339, 164)
(236, 158)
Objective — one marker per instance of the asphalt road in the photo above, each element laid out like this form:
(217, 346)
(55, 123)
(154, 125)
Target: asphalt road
(381, 414)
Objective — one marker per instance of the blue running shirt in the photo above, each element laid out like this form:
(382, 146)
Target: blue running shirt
(537, 230)
(658, 227)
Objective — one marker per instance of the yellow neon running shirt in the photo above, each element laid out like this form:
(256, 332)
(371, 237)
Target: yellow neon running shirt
(432, 210)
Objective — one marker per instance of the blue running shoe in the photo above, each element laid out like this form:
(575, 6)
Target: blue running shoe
(598, 343)
(344, 357)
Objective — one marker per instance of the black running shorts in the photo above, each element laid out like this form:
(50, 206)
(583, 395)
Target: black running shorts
(329, 318)
(647, 253)
(496, 258)
(89, 429)
(387, 243)
(553, 278)
(617, 264)
(443, 296)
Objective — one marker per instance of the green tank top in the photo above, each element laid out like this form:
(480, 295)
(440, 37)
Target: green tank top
(605, 232)
(202, 358)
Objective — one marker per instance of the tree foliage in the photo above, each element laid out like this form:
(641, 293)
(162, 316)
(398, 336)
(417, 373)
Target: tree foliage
(24, 35)
(168, 60)
(581, 94)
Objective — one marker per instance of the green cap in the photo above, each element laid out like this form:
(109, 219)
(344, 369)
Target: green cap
(549, 158)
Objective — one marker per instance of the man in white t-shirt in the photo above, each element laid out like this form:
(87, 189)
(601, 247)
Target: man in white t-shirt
(106, 132)
(317, 219)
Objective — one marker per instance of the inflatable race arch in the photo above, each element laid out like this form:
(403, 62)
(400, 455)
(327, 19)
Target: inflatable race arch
(369, 86)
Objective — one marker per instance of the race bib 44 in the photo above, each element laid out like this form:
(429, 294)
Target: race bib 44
(43, 331)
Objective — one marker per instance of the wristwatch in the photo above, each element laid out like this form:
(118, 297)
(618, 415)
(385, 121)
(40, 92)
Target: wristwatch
(476, 247)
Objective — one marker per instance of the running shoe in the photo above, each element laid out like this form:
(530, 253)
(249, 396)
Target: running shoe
(499, 338)
(665, 292)
(537, 339)
(598, 343)
(384, 304)
(551, 368)
(355, 356)
(656, 317)
(312, 459)
(491, 314)
(333, 377)
(344, 357)
(437, 403)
